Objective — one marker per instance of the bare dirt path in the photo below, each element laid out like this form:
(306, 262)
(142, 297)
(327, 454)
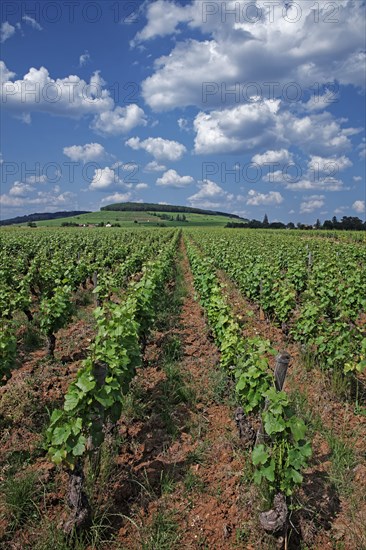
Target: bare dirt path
(206, 499)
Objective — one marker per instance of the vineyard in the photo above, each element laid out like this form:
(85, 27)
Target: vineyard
(182, 387)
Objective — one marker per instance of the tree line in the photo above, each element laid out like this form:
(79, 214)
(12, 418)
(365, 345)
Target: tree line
(348, 223)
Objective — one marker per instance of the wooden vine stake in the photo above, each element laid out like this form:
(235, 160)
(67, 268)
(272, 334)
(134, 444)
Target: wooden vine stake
(262, 317)
(95, 284)
(274, 520)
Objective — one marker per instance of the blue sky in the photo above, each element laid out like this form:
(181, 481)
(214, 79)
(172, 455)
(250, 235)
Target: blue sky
(250, 106)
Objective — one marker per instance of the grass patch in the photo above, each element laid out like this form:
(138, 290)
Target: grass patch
(219, 385)
(343, 458)
(19, 401)
(20, 496)
(198, 455)
(343, 461)
(134, 403)
(340, 384)
(50, 537)
(167, 483)
(172, 349)
(193, 482)
(171, 300)
(308, 358)
(175, 387)
(162, 533)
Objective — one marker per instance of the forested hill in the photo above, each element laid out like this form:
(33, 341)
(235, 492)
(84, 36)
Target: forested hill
(37, 217)
(153, 207)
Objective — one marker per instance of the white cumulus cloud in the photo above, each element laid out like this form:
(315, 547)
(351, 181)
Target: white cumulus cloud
(255, 198)
(20, 189)
(69, 96)
(161, 149)
(304, 47)
(84, 58)
(141, 186)
(329, 165)
(359, 206)
(172, 179)
(154, 166)
(281, 156)
(236, 129)
(210, 195)
(32, 22)
(5, 74)
(104, 179)
(116, 197)
(311, 203)
(6, 31)
(119, 121)
(262, 123)
(85, 153)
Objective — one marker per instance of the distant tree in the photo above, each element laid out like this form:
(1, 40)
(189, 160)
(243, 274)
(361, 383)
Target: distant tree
(351, 223)
(336, 223)
(318, 224)
(277, 225)
(265, 221)
(290, 225)
(328, 224)
(32, 224)
(255, 224)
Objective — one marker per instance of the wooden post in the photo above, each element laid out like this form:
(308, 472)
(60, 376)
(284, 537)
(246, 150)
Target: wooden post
(262, 317)
(282, 364)
(95, 284)
(310, 260)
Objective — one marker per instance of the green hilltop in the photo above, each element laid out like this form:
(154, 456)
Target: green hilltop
(141, 214)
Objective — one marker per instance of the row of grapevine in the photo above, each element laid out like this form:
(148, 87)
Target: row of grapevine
(44, 271)
(281, 455)
(315, 289)
(96, 394)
